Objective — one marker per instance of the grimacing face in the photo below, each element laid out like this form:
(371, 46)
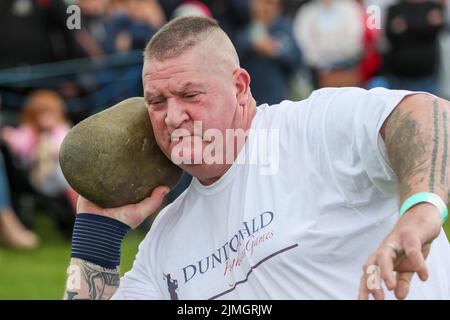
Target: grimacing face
(191, 88)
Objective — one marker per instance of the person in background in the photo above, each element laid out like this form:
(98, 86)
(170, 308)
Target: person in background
(33, 32)
(232, 15)
(12, 231)
(330, 35)
(447, 7)
(191, 8)
(268, 51)
(36, 143)
(371, 60)
(445, 54)
(114, 26)
(412, 29)
(382, 6)
(131, 24)
(93, 33)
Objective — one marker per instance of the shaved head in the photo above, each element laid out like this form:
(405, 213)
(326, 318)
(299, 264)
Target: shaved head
(219, 46)
(185, 33)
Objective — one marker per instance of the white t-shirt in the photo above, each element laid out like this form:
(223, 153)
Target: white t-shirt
(301, 232)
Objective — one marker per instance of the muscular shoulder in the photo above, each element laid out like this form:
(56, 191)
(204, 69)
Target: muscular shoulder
(420, 104)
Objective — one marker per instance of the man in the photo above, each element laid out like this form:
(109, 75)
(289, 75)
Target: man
(302, 228)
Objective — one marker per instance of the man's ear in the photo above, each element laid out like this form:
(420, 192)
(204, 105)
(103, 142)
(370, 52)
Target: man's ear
(242, 82)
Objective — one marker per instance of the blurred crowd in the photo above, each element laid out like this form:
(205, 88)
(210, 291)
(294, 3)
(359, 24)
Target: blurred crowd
(54, 74)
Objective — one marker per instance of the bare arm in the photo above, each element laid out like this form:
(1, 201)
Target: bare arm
(417, 143)
(89, 281)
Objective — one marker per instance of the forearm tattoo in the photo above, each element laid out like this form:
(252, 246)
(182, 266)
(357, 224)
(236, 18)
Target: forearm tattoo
(87, 281)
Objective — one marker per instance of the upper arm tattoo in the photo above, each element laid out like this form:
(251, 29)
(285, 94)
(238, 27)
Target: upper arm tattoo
(417, 145)
(431, 184)
(445, 124)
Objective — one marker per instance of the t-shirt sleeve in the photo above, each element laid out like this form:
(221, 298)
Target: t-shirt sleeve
(137, 284)
(352, 119)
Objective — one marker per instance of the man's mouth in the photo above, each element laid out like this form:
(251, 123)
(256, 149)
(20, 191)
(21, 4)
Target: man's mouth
(175, 138)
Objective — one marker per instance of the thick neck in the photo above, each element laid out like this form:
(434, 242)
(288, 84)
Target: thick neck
(246, 118)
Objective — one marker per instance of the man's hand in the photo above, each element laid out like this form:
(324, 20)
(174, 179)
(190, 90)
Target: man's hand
(402, 253)
(417, 143)
(131, 214)
(87, 280)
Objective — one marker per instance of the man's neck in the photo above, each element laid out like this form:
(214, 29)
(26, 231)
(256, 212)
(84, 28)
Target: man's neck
(247, 117)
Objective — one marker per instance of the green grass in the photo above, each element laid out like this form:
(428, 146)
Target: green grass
(41, 273)
(447, 228)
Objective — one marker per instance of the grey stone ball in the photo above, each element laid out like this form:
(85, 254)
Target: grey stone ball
(112, 158)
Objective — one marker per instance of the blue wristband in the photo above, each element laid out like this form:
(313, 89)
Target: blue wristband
(98, 239)
(429, 197)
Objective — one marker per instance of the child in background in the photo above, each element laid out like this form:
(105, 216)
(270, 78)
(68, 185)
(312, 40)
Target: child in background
(37, 141)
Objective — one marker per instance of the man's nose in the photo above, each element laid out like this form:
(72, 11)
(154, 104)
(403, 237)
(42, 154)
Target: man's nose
(176, 113)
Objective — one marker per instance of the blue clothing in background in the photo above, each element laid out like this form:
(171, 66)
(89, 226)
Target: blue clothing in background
(270, 76)
(139, 32)
(5, 201)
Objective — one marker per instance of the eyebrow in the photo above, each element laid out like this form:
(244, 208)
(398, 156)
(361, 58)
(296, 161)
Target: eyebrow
(149, 96)
(186, 87)
(190, 85)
